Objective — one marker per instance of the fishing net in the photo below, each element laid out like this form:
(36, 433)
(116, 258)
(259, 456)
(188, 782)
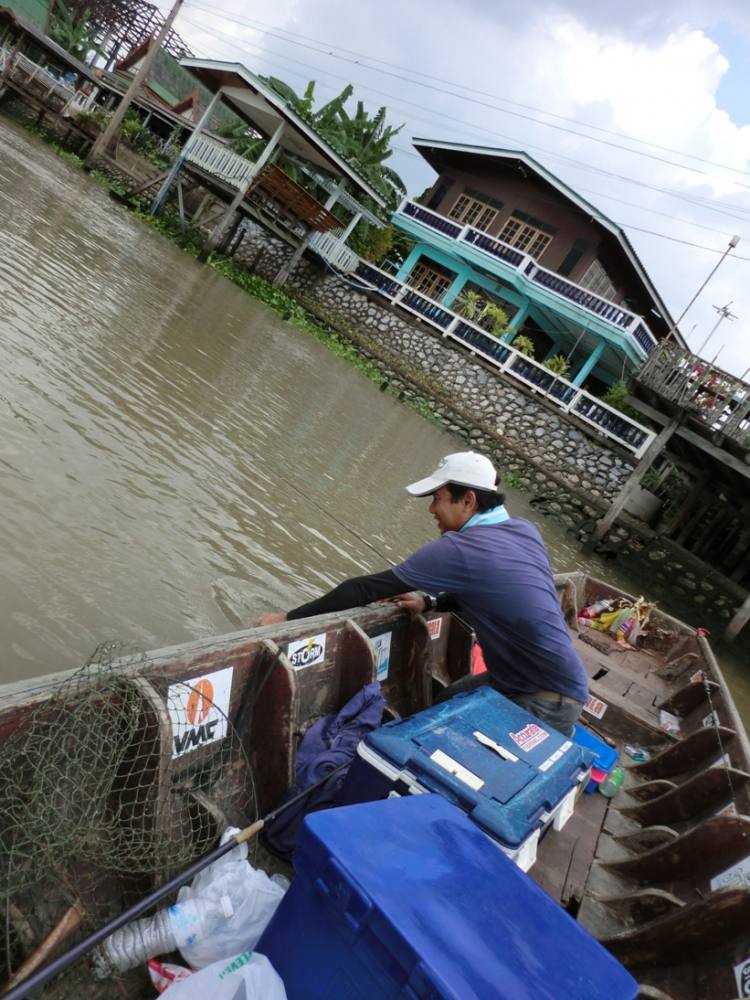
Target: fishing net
(102, 800)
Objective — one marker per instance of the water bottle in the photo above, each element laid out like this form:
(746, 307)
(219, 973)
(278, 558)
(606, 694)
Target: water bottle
(612, 783)
(178, 925)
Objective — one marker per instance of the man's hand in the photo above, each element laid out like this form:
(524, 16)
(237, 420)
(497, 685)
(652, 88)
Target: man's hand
(272, 618)
(412, 602)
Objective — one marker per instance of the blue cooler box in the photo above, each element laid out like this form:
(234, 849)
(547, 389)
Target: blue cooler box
(405, 898)
(510, 772)
(605, 756)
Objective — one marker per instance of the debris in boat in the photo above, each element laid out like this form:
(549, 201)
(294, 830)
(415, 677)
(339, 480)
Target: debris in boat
(668, 722)
(626, 622)
(601, 645)
(612, 783)
(637, 753)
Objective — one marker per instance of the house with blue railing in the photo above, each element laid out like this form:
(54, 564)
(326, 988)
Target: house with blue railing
(498, 229)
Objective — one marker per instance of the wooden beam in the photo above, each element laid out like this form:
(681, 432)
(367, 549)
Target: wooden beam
(633, 482)
(741, 618)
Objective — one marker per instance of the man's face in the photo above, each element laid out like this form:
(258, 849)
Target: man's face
(450, 514)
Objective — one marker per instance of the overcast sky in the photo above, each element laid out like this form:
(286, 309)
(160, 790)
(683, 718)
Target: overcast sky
(667, 90)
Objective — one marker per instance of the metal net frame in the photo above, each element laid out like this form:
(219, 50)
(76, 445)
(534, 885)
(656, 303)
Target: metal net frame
(96, 808)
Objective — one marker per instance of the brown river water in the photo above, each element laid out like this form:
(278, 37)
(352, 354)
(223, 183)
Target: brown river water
(174, 457)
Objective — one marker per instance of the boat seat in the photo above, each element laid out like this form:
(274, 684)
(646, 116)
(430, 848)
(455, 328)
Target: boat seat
(688, 698)
(648, 790)
(700, 747)
(646, 838)
(686, 931)
(703, 791)
(699, 854)
(641, 905)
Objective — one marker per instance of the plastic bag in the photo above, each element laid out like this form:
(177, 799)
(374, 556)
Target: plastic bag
(254, 897)
(247, 976)
(164, 974)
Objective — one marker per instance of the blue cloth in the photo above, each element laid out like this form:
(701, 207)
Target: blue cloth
(494, 516)
(501, 579)
(329, 742)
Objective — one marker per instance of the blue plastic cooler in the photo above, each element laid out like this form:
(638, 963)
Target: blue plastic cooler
(406, 899)
(510, 772)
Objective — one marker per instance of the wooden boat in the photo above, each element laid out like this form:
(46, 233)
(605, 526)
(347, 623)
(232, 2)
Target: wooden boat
(115, 777)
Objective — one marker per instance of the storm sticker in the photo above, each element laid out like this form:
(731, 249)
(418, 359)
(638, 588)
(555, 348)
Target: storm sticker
(307, 652)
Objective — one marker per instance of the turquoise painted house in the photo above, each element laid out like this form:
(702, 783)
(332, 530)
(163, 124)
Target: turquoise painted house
(498, 228)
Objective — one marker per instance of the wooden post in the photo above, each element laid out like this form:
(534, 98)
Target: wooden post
(177, 165)
(218, 229)
(605, 523)
(741, 618)
(103, 141)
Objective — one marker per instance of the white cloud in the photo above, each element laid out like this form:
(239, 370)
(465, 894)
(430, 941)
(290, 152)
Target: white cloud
(658, 82)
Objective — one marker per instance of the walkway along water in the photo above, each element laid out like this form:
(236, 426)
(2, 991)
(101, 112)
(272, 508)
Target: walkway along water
(148, 412)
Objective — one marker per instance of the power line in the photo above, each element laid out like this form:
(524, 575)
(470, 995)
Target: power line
(332, 54)
(697, 202)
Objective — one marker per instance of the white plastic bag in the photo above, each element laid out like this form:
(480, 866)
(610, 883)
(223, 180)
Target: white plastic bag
(254, 897)
(248, 976)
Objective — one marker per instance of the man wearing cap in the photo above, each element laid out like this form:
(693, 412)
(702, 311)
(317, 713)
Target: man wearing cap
(494, 570)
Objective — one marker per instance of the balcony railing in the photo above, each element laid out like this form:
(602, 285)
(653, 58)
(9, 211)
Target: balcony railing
(717, 400)
(330, 247)
(220, 161)
(568, 397)
(527, 266)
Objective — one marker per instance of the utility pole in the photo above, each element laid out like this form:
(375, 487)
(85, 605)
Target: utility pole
(732, 244)
(724, 313)
(102, 143)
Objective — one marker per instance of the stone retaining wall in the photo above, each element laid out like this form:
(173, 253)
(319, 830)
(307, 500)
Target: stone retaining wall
(571, 471)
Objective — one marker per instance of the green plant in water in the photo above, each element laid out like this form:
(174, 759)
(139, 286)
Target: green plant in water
(558, 365)
(524, 344)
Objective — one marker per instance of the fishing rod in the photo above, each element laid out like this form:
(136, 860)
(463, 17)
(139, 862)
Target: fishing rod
(37, 979)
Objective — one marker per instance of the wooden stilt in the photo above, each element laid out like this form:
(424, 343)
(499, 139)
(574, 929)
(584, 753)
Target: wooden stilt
(654, 449)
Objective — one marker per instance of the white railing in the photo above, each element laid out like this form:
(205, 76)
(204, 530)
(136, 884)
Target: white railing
(79, 102)
(217, 159)
(526, 266)
(330, 247)
(42, 76)
(559, 391)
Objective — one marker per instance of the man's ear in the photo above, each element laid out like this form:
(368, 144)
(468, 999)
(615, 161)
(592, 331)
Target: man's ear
(471, 499)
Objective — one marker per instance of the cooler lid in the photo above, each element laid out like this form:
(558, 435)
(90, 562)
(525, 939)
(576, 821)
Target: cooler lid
(413, 882)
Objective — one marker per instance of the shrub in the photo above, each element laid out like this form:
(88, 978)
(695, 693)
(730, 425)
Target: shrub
(558, 365)
(524, 344)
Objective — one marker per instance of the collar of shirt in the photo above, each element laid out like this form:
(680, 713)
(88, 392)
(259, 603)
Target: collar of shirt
(495, 516)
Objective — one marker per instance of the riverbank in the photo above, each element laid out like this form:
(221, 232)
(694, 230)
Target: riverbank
(568, 478)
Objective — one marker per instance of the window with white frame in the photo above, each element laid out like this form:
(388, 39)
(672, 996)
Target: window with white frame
(524, 235)
(597, 280)
(472, 212)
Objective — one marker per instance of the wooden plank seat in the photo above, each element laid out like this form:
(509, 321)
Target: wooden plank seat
(686, 931)
(700, 853)
(689, 697)
(700, 747)
(295, 200)
(650, 789)
(708, 789)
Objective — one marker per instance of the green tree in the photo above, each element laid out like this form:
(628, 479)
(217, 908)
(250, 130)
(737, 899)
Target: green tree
(77, 34)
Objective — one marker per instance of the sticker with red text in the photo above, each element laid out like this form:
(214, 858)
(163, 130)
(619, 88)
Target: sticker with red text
(434, 626)
(742, 978)
(529, 737)
(595, 707)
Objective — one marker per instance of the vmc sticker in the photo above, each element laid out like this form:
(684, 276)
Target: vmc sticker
(198, 709)
(307, 652)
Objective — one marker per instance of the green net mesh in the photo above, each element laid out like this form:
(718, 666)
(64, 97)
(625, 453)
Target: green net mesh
(97, 809)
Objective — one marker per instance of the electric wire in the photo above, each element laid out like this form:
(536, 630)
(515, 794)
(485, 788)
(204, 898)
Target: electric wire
(265, 28)
(697, 202)
(330, 53)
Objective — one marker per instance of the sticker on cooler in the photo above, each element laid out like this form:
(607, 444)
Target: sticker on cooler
(742, 978)
(434, 626)
(381, 647)
(595, 707)
(529, 737)
(198, 710)
(307, 652)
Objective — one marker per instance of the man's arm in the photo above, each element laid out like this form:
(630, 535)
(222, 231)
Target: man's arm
(353, 593)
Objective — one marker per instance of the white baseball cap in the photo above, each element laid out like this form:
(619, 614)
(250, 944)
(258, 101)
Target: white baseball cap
(465, 468)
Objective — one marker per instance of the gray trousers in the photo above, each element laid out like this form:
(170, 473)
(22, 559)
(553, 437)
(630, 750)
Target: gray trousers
(558, 713)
